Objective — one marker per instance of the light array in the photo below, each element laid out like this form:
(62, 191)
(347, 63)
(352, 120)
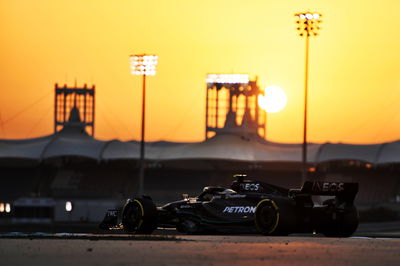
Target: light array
(5, 207)
(228, 78)
(68, 206)
(308, 23)
(143, 64)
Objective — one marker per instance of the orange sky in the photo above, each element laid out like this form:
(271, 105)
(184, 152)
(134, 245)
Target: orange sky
(354, 64)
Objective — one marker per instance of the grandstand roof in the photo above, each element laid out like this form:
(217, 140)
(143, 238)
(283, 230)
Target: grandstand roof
(72, 140)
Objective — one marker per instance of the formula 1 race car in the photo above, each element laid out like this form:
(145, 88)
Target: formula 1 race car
(247, 207)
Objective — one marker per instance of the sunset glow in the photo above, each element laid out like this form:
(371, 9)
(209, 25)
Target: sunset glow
(353, 64)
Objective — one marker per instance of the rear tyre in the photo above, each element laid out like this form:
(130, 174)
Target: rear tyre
(139, 216)
(267, 217)
(344, 225)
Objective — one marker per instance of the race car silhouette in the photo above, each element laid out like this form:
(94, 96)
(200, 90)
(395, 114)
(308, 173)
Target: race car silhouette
(247, 207)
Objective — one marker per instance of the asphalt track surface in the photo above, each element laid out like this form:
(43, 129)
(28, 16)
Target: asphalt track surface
(170, 249)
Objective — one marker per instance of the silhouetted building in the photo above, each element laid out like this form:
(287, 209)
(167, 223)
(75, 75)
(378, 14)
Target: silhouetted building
(232, 106)
(67, 98)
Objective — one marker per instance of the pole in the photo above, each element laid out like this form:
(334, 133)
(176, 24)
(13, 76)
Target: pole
(216, 105)
(93, 108)
(304, 157)
(55, 109)
(141, 162)
(206, 113)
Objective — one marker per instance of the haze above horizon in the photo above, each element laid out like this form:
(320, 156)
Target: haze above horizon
(353, 76)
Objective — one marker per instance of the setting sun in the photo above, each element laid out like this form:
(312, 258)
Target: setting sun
(273, 100)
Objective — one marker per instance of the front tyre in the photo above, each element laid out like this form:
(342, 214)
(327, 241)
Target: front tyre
(139, 216)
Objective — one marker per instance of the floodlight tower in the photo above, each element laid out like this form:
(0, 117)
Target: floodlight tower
(144, 65)
(232, 106)
(66, 98)
(307, 25)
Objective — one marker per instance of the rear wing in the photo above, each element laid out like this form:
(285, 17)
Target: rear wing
(343, 191)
